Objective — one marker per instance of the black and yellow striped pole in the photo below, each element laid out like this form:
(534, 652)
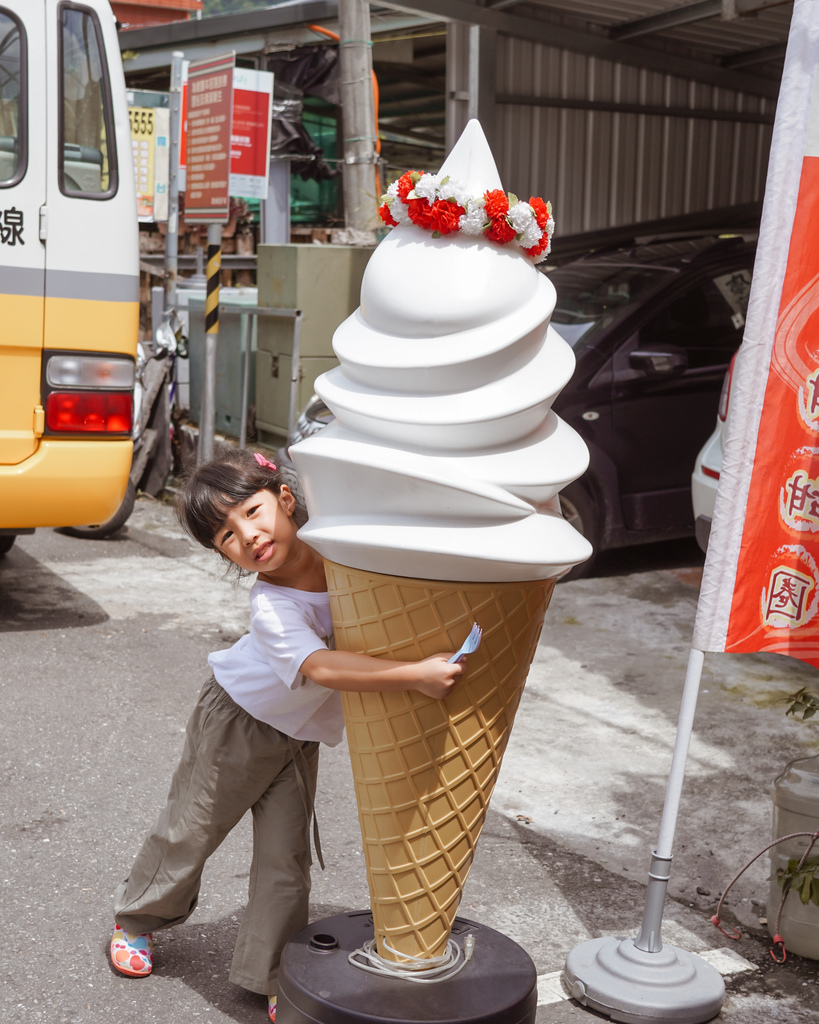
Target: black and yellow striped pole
(208, 417)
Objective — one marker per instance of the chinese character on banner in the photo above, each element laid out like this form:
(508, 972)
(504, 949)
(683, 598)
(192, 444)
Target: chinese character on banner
(760, 589)
(11, 227)
(785, 603)
(809, 400)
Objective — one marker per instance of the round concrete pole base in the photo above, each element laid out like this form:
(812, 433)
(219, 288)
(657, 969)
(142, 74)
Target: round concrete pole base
(318, 984)
(616, 978)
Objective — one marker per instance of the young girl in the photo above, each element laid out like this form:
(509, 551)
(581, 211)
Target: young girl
(252, 741)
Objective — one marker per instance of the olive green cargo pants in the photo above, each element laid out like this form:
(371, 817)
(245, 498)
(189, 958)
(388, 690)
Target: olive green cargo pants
(231, 763)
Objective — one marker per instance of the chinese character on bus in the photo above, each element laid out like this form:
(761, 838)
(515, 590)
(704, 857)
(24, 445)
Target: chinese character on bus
(11, 227)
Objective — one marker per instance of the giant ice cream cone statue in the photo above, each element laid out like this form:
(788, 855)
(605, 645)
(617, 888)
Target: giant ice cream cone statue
(433, 498)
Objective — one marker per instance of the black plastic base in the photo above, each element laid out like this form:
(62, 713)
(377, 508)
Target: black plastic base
(318, 984)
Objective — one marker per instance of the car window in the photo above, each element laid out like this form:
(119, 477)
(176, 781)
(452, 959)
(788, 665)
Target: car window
(592, 296)
(12, 101)
(706, 321)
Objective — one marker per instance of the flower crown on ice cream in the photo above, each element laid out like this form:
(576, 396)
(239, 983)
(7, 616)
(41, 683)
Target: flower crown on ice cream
(443, 205)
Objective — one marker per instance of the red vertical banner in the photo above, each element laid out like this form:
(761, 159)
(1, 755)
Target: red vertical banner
(776, 600)
(760, 589)
(209, 125)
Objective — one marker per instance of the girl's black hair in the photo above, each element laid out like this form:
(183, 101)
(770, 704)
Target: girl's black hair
(218, 486)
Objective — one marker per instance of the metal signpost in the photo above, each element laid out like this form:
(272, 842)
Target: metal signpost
(172, 231)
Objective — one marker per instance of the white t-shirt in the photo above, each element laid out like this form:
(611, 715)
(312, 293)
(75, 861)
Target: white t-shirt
(261, 670)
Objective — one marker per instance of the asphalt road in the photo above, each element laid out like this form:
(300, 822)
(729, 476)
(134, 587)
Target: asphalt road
(103, 648)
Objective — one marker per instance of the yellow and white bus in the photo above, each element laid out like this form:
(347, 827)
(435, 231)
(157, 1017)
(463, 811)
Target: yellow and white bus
(69, 266)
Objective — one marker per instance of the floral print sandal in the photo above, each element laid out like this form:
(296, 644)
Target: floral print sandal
(132, 954)
(271, 1008)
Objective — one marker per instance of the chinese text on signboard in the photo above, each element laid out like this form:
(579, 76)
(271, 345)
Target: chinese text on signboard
(210, 108)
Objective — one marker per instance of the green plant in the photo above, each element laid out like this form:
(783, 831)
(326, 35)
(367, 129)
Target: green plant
(802, 705)
(804, 880)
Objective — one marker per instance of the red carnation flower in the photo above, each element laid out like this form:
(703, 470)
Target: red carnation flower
(405, 184)
(497, 203)
(386, 216)
(501, 231)
(536, 250)
(541, 211)
(446, 216)
(421, 213)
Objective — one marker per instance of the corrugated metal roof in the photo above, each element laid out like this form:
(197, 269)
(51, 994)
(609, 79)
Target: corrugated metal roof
(709, 35)
(704, 38)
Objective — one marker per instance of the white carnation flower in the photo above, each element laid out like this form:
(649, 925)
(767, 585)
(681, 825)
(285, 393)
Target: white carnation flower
(427, 187)
(472, 222)
(523, 220)
(399, 212)
(520, 216)
(453, 189)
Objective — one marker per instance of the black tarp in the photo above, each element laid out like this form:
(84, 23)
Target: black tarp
(302, 71)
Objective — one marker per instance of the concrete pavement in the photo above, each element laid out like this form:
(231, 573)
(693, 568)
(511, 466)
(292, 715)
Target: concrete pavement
(103, 647)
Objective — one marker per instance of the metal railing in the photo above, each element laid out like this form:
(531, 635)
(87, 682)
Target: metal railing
(207, 419)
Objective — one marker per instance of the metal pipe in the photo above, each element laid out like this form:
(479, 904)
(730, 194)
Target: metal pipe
(157, 309)
(295, 372)
(649, 938)
(245, 345)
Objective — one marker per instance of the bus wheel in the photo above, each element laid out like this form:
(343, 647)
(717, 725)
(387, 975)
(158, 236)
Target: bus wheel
(6, 543)
(110, 526)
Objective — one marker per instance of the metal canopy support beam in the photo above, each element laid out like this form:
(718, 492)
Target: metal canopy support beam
(647, 109)
(727, 10)
(470, 77)
(737, 8)
(668, 19)
(758, 56)
(587, 42)
(250, 33)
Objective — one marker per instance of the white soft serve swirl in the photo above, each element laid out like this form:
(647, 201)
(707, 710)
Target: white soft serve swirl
(445, 459)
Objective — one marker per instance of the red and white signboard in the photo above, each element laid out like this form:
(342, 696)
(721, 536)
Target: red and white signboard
(760, 589)
(209, 114)
(250, 135)
(250, 140)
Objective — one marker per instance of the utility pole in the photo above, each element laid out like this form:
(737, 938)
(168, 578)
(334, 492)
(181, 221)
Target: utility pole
(357, 115)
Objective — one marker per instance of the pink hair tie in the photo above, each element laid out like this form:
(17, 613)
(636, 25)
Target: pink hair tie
(263, 461)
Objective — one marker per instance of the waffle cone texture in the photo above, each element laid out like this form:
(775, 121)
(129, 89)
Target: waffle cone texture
(424, 769)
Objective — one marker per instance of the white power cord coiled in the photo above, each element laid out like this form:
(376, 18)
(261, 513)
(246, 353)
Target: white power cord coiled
(414, 968)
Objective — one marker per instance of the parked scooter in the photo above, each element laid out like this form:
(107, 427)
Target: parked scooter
(154, 427)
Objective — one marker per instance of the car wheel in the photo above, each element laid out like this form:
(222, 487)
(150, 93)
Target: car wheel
(580, 511)
(111, 525)
(6, 543)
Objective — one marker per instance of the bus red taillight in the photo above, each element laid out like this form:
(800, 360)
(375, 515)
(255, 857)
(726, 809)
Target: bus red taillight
(97, 412)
